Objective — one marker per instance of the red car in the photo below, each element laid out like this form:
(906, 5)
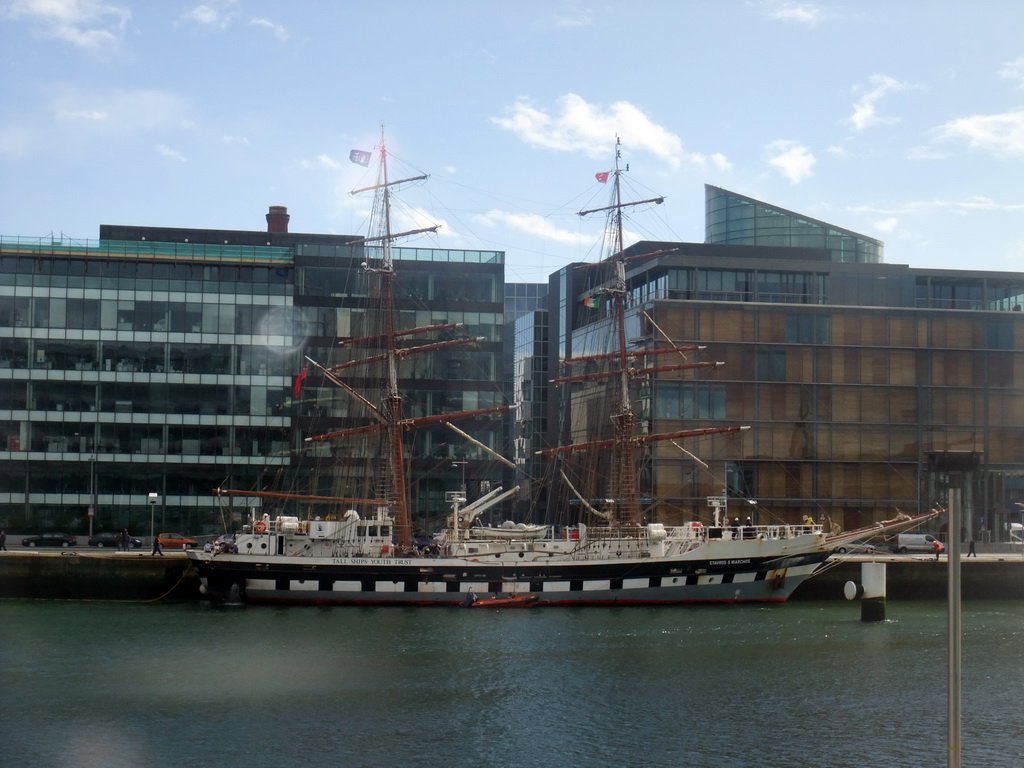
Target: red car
(175, 541)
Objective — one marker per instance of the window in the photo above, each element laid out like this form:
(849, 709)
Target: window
(999, 334)
(689, 400)
(741, 479)
(771, 364)
(808, 329)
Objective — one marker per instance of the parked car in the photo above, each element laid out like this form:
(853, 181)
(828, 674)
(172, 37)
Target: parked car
(50, 540)
(110, 540)
(175, 541)
(855, 548)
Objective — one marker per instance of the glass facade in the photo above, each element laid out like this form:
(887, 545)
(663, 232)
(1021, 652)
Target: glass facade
(339, 300)
(849, 375)
(521, 298)
(164, 362)
(845, 402)
(142, 366)
(529, 392)
(135, 368)
(737, 220)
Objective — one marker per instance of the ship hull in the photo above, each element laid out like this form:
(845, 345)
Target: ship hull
(450, 581)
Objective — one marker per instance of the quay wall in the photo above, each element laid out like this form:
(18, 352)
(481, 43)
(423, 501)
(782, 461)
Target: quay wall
(67, 575)
(988, 577)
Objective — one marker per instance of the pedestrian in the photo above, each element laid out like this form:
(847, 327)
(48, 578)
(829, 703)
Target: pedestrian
(938, 548)
(156, 547)
(3, 541)
(126, 540)
(970, 549)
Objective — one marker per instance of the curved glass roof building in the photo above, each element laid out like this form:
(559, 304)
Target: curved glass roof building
(733, 219)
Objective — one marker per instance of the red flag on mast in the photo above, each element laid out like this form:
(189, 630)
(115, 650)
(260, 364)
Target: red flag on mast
(602, 177)
(300, 380)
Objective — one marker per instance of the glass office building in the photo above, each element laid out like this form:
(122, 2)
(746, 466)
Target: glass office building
(732, 219)
(131, 368)
(850, 373)
(162, 361)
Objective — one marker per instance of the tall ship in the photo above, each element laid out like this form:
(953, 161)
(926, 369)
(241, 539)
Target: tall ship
(361, 550)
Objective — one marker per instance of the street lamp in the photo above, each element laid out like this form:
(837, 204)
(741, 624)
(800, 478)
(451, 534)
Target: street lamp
(153, 498)
(465, 491)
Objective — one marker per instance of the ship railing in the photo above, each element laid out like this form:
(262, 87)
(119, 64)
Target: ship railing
(741, 532)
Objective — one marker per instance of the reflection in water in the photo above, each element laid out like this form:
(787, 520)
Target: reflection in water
(805, 684)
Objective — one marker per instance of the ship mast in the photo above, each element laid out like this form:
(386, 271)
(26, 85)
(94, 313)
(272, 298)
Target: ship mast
(394, 491)
(623, 418)
(625, 441)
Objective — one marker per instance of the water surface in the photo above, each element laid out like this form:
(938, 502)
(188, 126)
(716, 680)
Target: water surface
(803, 684)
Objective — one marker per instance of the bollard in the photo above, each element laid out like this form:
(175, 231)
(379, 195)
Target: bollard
(871, 592)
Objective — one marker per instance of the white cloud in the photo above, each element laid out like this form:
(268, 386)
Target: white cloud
(407, 218)
(531, 224)
(93, 115)
(960, 207)
(221, 14)
(122, 112)
(865, 112)
(568, 22)
(578, 126)
(572, 16)
(792, 159)
(276, 29)
(809, 14)
(1001, 135)
(227, 139)
(721, 162)
(329, 162)
(925, 153)
(170, 154)
(887, 225)
(1014, 70)
(216, 14)
(88, 24)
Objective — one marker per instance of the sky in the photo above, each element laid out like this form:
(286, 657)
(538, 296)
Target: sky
(903, 121)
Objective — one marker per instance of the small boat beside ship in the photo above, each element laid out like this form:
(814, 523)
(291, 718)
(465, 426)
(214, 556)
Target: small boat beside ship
(362, 551)
(503, 601)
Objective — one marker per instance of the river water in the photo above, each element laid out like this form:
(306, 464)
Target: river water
(86, 685)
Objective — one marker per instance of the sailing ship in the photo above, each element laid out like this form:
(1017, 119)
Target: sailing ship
(362, 551)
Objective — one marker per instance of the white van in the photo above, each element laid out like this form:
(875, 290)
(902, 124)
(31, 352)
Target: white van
(915, 542)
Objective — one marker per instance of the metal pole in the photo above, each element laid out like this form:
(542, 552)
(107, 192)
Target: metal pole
(953, 551)
(152, 515)
(92, 493)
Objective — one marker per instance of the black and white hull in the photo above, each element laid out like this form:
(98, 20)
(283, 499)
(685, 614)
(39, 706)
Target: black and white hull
(676, 566)
(450, 582)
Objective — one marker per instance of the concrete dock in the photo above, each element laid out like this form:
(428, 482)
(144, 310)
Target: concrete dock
(989, 576)
(76, 574)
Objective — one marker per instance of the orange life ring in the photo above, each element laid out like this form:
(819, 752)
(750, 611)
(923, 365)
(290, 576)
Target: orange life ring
(260, 527)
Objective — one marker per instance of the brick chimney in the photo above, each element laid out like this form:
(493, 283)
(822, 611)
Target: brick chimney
(277, 219)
